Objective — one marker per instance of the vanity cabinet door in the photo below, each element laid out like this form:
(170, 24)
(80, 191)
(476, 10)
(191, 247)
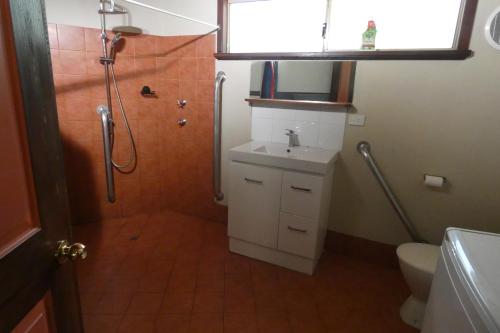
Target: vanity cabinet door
(254, 203)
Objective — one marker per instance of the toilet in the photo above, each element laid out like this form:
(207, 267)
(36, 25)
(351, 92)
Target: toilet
(418, 263)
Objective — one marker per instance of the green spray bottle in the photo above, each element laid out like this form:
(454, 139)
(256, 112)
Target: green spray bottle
(369, 36)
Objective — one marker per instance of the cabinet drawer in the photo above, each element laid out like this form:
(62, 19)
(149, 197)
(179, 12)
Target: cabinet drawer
(301, 194)
(254, 203)
(297, 235)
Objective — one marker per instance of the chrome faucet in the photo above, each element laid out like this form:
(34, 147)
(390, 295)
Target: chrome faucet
(293, 138)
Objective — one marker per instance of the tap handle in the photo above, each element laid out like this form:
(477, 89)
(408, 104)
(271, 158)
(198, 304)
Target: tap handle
(289, 132)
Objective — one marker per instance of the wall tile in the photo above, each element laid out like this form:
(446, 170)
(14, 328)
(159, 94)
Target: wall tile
(186, 47)
(308, 132)
(279, 130)
(70, 38)
(188, 90)
(331, 135)
(205, 46)
(205, 91)
(167, 68)
(188, 68)
(145, 45)
(315, 128)
(93, 41)
(206, 69)
(94, 67)
(262, 129)
(72, 62)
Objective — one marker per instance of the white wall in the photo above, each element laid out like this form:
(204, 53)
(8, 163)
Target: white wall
(84, 13)
(236, 113)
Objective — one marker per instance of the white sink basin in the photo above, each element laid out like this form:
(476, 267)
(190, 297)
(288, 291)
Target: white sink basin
(307, 159)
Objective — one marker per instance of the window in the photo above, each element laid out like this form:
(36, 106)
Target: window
(276, 25)
(294, 29)
(401, 24)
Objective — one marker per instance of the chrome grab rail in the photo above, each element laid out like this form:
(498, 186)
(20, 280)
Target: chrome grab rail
(364, 149)
(105, 114)
(221, 77)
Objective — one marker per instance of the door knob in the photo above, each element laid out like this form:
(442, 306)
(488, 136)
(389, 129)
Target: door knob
(66, 251)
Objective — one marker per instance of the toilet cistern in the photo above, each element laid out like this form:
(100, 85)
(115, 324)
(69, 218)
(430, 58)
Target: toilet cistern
(293, 138)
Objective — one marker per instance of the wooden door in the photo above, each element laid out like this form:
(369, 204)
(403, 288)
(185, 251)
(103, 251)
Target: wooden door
(34, 213)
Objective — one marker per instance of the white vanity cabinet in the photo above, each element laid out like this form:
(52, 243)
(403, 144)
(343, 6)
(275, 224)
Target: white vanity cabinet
(278, 215)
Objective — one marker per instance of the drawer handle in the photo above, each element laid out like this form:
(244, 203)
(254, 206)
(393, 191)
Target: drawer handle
(297, 230)
(254, 181)
(302, 189)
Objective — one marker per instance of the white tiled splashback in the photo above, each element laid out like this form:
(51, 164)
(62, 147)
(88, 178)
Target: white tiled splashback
(324, 129)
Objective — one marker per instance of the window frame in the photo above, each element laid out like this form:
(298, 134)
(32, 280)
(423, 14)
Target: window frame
(460, 51)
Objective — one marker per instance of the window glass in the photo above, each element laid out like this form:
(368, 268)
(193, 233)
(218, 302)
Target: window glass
(276, 25)
(400, 24)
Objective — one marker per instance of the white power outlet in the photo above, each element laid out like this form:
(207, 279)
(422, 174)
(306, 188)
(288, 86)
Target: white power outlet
(357, 120)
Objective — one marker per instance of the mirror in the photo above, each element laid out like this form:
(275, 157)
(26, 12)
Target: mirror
(299, 80)
(492, 29)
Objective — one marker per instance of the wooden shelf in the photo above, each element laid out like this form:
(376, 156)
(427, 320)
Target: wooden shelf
(296, 104)
(353, 55)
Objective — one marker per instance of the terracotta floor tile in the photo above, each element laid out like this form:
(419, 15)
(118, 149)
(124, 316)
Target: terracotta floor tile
(211, 267)
(120, 284)
(238, 283)
(113, 303)
(210, 283)
(152, 283)
(137, 323)
(263, 282)
(273, 322)
(208, 302)
(89, 302)
(182, 282)
(237, 265)
(268, 301)
(101, 323)
(206, 323)
(172, 324)
(192, 283)
(300, 303)
(145, 303)
(311, 324)
(177, 302)
(239, 302)
(240, 323)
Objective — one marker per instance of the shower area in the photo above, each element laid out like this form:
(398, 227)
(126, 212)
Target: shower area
(136, 116)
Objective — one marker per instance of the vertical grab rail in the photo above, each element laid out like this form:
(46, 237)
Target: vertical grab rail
(364, 150)
(218, 195)
(105, 114)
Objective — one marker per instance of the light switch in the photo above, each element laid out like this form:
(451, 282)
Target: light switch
(357, 120)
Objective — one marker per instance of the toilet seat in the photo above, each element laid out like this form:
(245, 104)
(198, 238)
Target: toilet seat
(420, 256)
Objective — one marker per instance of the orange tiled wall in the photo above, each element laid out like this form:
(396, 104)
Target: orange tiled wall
(174, 169)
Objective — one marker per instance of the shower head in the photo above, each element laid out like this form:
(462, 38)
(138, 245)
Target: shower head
(127, 30)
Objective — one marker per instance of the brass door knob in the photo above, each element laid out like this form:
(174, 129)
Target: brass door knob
(66, 251)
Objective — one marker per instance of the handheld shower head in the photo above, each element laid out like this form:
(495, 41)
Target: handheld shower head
(116, 39)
